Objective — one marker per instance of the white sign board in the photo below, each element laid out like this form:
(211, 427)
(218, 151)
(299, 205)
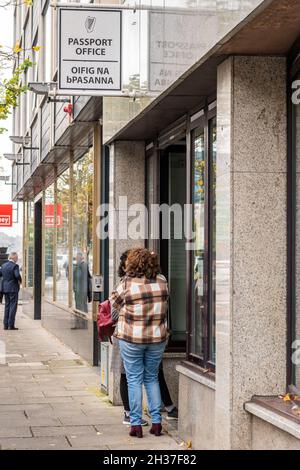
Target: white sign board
(89, 49)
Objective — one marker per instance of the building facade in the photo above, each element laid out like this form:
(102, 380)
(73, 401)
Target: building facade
(213, 125)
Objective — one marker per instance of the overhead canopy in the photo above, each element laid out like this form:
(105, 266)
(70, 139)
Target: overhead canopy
(271, 29)
(78, 138)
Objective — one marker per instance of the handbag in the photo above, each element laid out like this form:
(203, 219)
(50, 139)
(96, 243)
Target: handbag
(106, 325)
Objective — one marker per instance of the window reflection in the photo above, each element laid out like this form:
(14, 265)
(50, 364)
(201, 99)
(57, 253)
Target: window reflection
(82, 233)
(297, 263)
(213, 180)
(63, 220)
(198, 258)
(49, 241)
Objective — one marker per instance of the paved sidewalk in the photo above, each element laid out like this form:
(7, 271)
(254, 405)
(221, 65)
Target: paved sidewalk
(50, 398)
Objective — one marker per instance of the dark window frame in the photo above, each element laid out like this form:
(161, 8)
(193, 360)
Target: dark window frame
(210, 113)
(203, 122)
(293, 74)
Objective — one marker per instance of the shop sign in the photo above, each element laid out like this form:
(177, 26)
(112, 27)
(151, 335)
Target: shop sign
(89, 49)
(6, 215)
(176, 42)
(49, 216)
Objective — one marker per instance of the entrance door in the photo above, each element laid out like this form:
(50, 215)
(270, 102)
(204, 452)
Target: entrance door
(173, 250)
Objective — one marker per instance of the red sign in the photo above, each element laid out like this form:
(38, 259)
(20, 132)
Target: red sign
(49, 216)
(6, 215)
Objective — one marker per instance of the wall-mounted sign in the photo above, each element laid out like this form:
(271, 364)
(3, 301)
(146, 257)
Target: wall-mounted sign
(89, 49)
(176, 42)
(6, 215)
(49, 216)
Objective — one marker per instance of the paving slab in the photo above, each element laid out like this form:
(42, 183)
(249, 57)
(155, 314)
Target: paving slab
(50, 399)
(15, 431)
(51, 431)
(34, 443)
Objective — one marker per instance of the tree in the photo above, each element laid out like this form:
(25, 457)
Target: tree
(12, 87)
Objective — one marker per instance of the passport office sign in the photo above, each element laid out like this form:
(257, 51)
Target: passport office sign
(89, 49)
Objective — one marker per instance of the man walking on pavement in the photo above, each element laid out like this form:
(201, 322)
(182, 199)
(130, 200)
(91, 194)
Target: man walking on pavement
(10, 287)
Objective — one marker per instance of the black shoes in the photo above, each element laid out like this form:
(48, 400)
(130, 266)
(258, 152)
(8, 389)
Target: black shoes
(13, 328)
(126, 420)
(172, 414)
(5, 328)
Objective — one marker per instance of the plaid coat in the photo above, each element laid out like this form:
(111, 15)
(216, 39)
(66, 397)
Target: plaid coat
(142, 305)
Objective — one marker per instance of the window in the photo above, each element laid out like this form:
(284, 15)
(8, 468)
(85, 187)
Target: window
(49, 241)
(201, 344)
(30, 245)
(82, 232)
(47, 44)
(294, 226)
(34, 72)
(150, 199)
(62, 246)
(198, 197)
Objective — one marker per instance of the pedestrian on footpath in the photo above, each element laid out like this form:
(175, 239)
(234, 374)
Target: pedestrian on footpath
(118, 366)
(141, 300)
(11, 281)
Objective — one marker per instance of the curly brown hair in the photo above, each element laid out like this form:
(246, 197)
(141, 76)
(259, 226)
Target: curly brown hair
(142, 262)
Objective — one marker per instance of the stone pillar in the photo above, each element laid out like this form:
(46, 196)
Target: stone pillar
(251, 240)
(127, 178)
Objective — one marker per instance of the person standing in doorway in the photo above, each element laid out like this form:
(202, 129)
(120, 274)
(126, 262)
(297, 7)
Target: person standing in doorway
(82, 285)
(11, 282)
(141, 299)
(118, 367)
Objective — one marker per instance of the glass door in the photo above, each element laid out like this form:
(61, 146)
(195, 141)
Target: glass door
(172, 246)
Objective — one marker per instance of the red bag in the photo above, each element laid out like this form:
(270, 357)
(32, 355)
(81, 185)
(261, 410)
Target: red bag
(105, 324)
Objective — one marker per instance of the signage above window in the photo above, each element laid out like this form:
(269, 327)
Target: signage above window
(90, 51)
(6, 215)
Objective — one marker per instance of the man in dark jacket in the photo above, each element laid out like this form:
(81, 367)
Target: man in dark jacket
(82, 284)
(10, 286)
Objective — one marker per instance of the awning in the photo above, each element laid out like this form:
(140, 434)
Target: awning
(77, 137)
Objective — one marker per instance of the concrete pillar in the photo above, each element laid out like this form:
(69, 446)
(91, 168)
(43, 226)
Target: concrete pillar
(251, 241)
(127, 178)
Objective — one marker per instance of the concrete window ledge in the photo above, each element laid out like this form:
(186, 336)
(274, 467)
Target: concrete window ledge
(271, 417)
(195, 373)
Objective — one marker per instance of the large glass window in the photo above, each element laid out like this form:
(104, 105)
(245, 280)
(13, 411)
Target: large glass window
(150, 198)
(198, 188)
(296, 319)
(30, 245)
(49, 241)
(82, 232)
(203, 260)
(47, 44)
(176, 245)
(62, 224)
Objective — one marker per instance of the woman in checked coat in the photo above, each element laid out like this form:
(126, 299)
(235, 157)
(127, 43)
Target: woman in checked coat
(141, 303)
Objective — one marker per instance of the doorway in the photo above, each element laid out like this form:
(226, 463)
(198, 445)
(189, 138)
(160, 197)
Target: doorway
(172, 249)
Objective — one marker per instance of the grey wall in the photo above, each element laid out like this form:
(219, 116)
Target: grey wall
(251, 240)
(265, 436)
(196, 413)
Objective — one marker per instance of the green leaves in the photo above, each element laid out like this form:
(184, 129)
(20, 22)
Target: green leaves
(11, 89)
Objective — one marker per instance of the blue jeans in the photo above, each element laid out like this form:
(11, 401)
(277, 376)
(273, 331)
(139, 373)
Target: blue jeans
(141, 362)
